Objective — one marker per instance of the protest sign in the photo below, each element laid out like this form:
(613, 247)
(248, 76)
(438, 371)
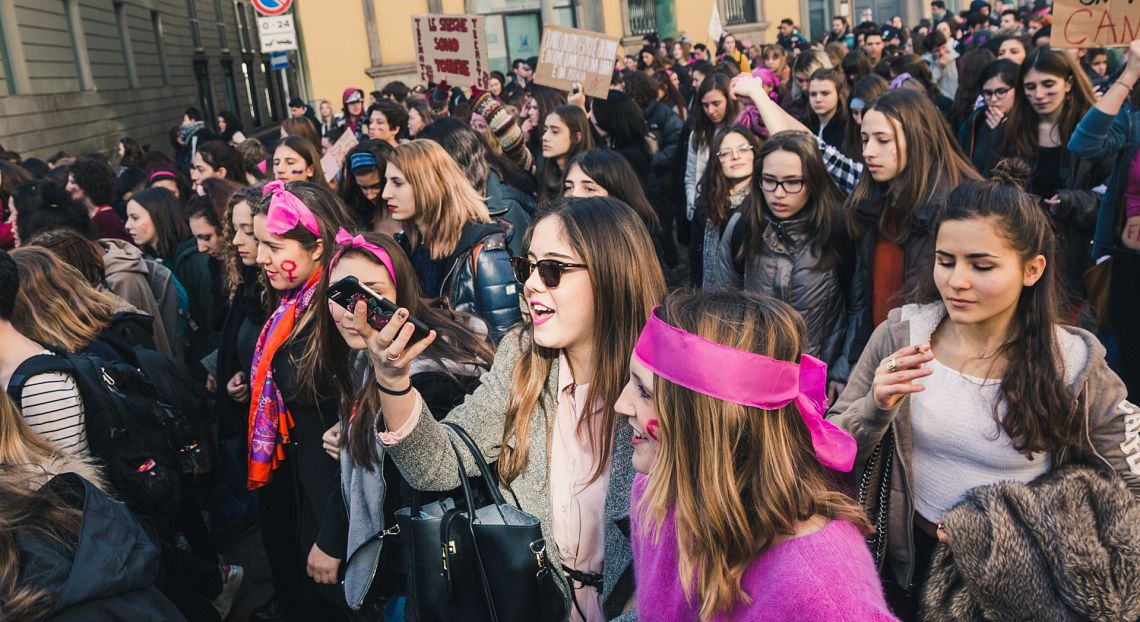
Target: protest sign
(568, 55)
(451, 48)
(333, 158)
(1094, 23)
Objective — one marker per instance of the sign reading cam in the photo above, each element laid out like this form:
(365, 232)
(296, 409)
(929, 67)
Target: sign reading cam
(1094, 23)
(451, 48)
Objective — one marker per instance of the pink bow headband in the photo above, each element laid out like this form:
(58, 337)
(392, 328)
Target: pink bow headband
(347, 241)
(286, 211)
(749, 379)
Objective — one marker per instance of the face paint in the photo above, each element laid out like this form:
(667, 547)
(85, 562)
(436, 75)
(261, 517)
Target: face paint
(651, 429)
(289, 267)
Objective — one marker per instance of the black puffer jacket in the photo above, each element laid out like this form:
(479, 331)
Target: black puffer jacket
(483, 283)
(109, 575)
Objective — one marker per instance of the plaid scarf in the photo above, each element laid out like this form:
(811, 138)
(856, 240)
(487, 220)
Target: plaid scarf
(269, 419)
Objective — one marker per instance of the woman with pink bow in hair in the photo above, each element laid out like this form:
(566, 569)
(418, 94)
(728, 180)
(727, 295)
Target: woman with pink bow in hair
(737, 462)
(292, 400)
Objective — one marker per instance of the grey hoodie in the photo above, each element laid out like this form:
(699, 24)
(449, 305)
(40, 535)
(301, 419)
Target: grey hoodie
(128, 277)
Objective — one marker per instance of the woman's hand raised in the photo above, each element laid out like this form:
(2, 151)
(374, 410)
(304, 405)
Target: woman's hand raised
(895, 376)
(388, 349)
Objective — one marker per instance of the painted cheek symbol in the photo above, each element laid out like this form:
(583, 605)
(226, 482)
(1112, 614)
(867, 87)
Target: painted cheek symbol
(289, 267)
(651, 429)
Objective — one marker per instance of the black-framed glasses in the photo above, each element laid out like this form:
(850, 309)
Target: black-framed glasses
(791, 186)
(549, 270)
(996, 93)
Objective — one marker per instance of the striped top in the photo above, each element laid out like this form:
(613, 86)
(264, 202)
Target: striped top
(53, 408)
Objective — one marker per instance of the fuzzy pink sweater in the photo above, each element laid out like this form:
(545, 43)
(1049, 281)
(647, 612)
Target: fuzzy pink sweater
(827, 575)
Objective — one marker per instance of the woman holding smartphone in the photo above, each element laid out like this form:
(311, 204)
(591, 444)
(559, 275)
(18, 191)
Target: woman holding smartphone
(545, 410)
(292, 397)
(446, 373)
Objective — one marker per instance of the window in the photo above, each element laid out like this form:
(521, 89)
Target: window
(223, 39)
(121, 18)
(251, 91)
(205, 93)
(160, 48)
(642, 17)
(195, 24)
(739, 12)
(78, 45)
(243, 27)
(230, 87)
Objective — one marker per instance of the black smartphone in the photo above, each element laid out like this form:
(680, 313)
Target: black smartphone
(349, 291)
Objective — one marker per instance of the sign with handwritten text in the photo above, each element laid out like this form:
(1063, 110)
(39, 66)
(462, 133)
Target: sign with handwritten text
(569, 55)
(451, 48)
(1094, 23)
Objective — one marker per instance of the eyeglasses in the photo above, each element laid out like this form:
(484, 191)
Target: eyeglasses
(738, 152)
(549, 270)
(994, 94)
(791, 186)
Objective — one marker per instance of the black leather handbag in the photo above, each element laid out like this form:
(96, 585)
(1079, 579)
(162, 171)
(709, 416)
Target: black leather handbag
(487, 565)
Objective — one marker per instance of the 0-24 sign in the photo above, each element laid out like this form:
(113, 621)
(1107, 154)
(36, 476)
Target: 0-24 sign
(272, 7)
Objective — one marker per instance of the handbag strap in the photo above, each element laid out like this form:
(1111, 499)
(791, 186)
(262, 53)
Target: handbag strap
(480, 462)
(470, 522)
(883, 453)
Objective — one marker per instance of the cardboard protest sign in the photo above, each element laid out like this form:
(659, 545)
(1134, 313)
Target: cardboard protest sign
(569, 55)
(333, 158)
(1094, 23)
(451, 48)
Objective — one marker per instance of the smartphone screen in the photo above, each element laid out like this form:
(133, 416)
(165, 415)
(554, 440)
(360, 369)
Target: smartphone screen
(348, 292)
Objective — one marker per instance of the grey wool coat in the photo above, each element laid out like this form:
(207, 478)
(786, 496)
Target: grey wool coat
(426, 460)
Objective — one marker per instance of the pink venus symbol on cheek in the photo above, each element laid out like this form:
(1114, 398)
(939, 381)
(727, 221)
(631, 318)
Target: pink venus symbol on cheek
(289, 267)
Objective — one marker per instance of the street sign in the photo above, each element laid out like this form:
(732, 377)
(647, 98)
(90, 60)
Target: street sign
(272, 7)
(279, 60)
(277, 34)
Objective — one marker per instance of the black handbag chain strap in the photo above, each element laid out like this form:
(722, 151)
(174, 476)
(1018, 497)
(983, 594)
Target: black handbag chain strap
(885, 452)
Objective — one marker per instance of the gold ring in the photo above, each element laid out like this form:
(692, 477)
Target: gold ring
(389, 357)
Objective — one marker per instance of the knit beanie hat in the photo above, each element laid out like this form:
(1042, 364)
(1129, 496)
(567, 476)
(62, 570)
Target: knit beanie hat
(438, 98)
(503, 124)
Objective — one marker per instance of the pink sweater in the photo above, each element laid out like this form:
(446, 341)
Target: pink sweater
(827, 575)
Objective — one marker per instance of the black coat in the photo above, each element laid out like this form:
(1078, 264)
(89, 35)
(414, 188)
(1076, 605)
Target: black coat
(109, 575)
(242, 326)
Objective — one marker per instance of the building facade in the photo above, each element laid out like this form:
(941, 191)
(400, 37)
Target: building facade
(78, 75)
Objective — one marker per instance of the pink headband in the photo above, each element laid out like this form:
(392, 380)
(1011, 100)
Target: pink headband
(348, 241)
(750, 379)
(161, 174)
(286, 211)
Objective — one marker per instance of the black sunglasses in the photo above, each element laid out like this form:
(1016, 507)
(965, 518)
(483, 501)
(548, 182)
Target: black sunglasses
(549, 270)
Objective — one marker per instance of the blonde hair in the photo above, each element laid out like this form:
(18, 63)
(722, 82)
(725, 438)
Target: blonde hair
(738, 476)
(55, 303)
(627, 281)
(445, 199)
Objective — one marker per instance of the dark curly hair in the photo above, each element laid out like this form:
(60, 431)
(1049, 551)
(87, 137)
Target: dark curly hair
(95, 177)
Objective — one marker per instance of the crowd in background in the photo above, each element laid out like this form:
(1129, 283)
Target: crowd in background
(840, 327)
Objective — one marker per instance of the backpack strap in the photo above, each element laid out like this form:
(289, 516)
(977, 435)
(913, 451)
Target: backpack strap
(34, 366)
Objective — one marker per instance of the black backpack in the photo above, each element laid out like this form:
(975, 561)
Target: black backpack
(147, 446)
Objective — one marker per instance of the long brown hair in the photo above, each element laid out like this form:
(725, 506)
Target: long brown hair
(309, 151)
(739, 477)
(332, 216)
(703, 127)
(627, 281)
(824, 205)
(868, 88)
(55, 304)
(445, 200)
(931, 162)
(714, 189)
(231, 262)
(1039, 406)
(1021, 131)
(455, 344)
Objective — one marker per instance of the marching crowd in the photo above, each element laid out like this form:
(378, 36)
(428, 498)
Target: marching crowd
(840, 328)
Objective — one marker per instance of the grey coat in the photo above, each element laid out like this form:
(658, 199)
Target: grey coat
(785, 268)
(426, 460)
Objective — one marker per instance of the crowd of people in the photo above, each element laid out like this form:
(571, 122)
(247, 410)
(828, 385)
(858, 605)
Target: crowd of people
(840, 327)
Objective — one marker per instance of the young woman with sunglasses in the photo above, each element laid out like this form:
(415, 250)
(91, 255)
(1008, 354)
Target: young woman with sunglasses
(789, 241)
(758, 530)
(725, 186)
(545, 410)
(444, 375)
(983, 132)
(292, 398)
(458, 253)
(715, 108)
(980, 382)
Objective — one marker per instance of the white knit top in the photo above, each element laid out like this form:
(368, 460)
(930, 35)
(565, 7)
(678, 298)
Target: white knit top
(957, 444)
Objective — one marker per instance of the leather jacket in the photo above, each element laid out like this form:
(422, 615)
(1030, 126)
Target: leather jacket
(484, 285)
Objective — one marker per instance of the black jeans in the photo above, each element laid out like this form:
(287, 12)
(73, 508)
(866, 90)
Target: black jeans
(906, 604)
(1124, 314)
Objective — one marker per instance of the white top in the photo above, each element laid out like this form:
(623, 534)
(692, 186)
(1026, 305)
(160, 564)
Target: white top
(53, 408)
(957, 443)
